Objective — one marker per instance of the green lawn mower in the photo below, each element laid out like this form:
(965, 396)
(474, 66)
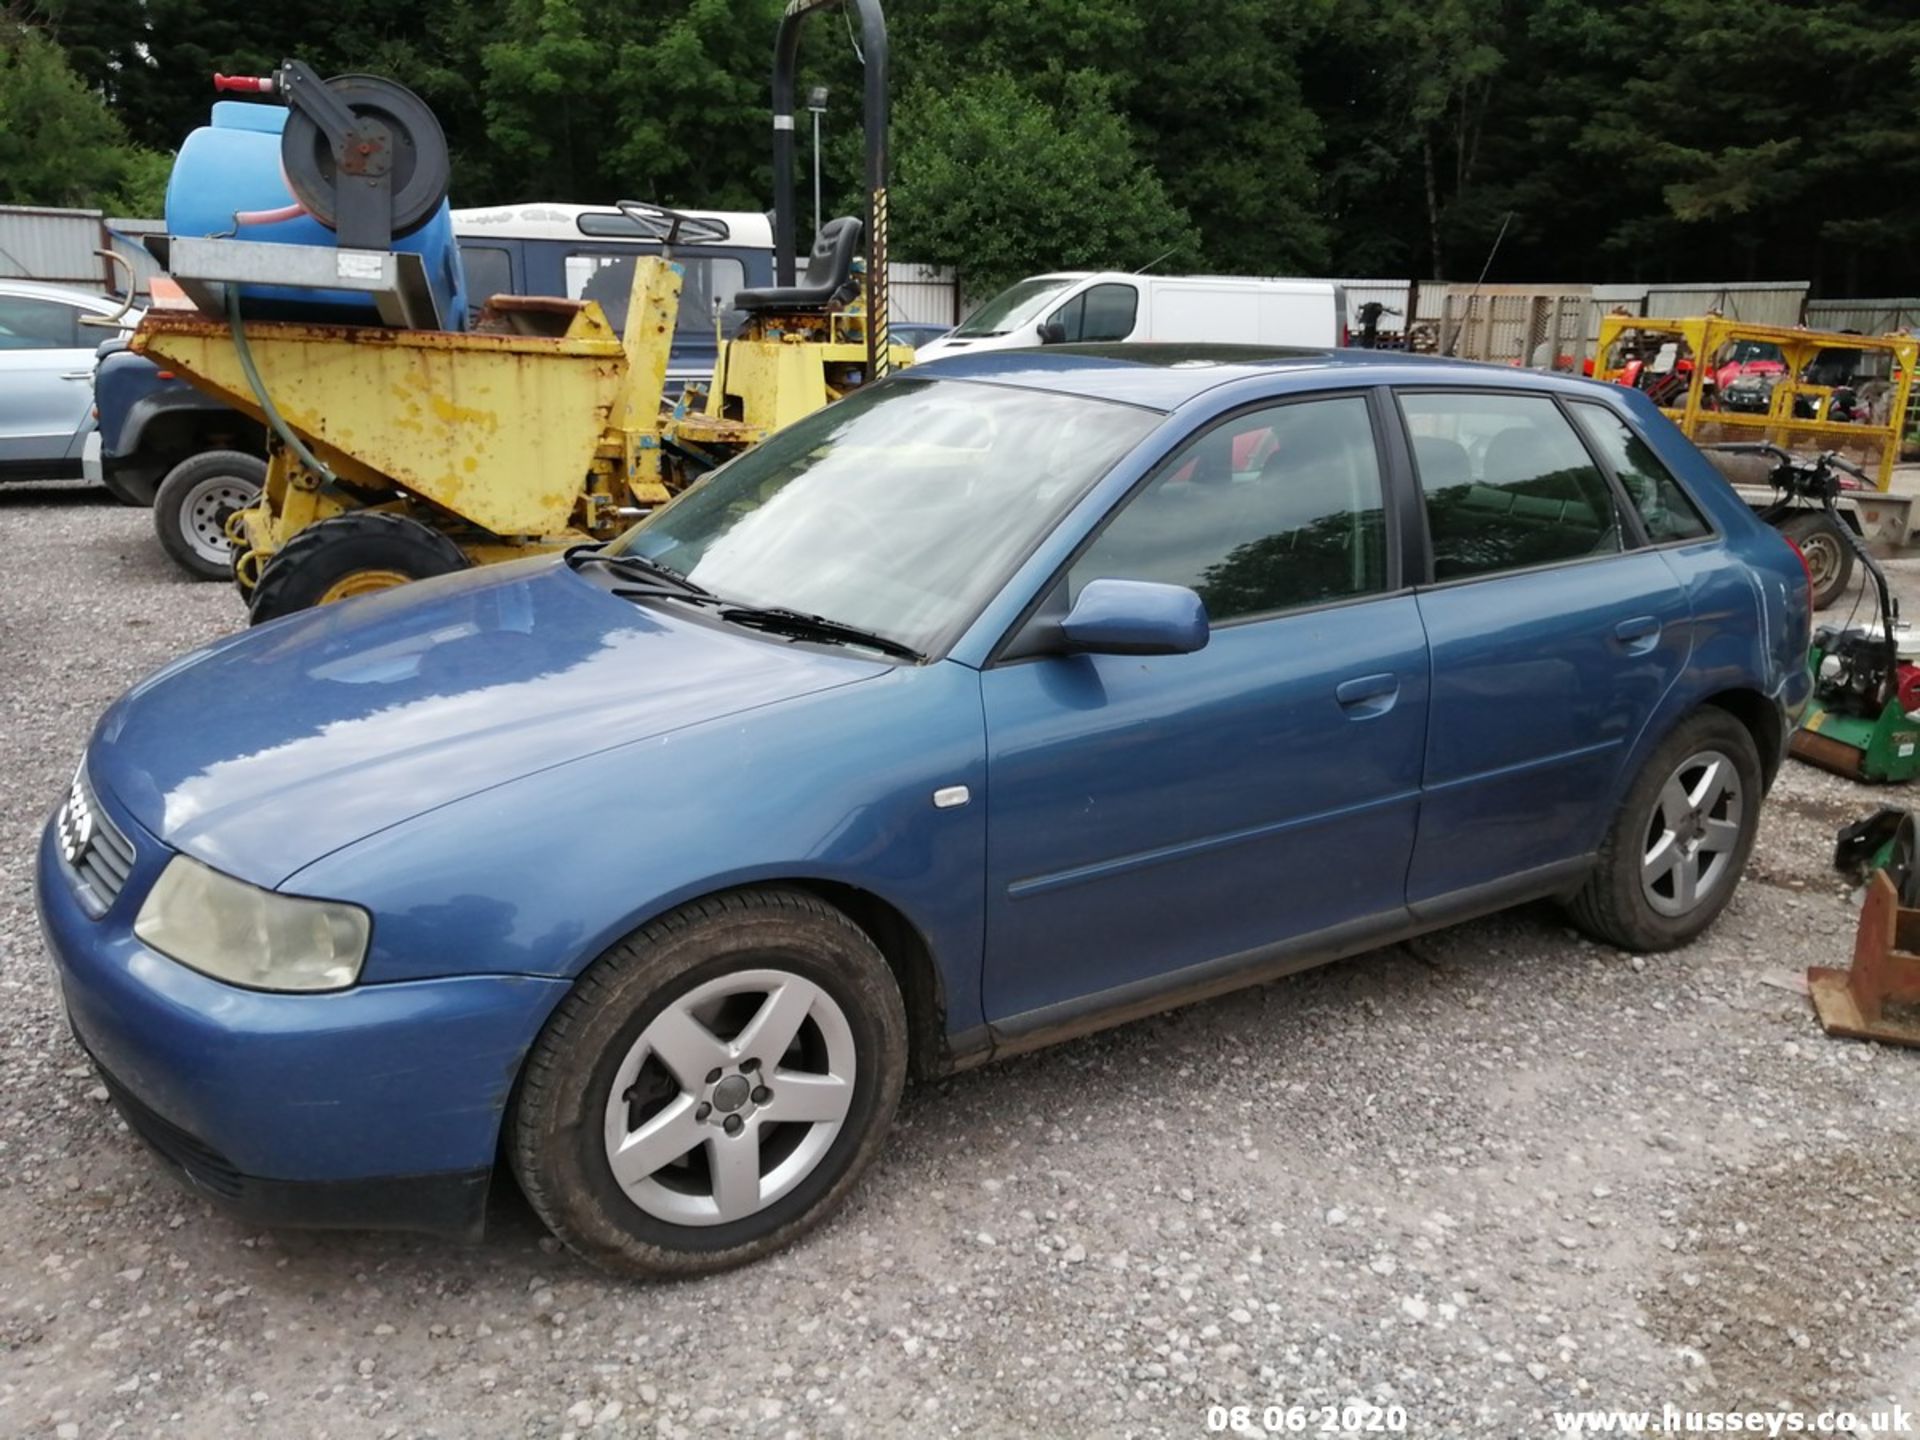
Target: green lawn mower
(1866, 678)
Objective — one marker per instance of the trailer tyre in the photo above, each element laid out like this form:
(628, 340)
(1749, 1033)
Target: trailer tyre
(1828, 553)
(349, 555)
(191, 507)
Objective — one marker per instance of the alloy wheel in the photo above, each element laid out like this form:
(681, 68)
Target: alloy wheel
(1693, 834)
(730, 1097)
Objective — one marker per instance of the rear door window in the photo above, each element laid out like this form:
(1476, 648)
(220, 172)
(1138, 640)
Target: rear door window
(1507, 484)
(1666, 510)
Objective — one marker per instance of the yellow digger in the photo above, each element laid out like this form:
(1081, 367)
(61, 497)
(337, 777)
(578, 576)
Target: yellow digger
(402, 451)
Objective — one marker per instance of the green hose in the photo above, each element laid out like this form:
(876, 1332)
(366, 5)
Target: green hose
(274, 418)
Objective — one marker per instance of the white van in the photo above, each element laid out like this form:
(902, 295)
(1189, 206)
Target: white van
(1082, 306)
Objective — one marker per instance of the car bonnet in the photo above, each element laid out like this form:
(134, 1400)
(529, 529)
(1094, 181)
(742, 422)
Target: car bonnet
(270, 749)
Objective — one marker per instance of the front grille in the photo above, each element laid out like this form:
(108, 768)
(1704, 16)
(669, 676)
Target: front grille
(98, 857)
(205, 1166)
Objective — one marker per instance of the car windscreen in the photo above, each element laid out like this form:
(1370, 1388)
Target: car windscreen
(902, 509)
(1013, 307)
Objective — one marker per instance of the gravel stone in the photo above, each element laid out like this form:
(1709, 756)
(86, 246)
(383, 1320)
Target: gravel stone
(1739, 1188)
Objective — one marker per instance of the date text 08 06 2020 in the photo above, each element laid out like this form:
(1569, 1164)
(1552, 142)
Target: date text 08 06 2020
(1360, 1418)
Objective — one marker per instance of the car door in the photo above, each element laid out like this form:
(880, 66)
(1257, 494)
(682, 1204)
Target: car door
(1158, 822)
(1553, 639)
(46, 378)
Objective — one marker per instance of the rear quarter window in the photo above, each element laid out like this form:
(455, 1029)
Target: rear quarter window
(1666, 509)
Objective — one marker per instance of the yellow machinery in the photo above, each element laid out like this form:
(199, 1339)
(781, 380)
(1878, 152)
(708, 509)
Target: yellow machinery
(541, 428)
(399, 453)
(1722, 381)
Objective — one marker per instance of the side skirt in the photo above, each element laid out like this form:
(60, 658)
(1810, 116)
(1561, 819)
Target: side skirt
(1035, 1029)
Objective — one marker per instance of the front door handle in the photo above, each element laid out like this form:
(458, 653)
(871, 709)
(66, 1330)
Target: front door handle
(1638, 635)
(77, 375)
(1367, 695)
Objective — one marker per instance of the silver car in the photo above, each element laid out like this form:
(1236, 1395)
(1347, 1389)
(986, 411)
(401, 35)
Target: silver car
(46, 376)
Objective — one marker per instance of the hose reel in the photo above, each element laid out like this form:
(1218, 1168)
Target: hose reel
(363, 155)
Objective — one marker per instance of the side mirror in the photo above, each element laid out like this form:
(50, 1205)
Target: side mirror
(1135, 617)
(1052, 332)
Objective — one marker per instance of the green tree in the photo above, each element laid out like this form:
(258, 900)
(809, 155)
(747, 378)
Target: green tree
(59, 144)
(992, 180)
(1222, 117)
(601, 99)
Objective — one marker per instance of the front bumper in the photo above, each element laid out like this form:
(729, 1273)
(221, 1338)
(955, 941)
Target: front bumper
(374, 1107)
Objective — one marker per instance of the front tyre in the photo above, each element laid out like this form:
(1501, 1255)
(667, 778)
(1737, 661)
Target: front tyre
(1677, 848)
(713, 1086)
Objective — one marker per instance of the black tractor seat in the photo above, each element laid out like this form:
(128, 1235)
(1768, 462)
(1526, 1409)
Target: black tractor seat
(829, 269)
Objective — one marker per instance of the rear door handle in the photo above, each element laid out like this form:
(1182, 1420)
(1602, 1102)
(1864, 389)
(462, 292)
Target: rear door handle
(1367, 695)
(1639, 635)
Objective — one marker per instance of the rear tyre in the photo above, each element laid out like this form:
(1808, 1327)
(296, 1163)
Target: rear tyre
(1828, 553)
(713, 1086)
(353, 554)
(191, 507)
(1678, 847)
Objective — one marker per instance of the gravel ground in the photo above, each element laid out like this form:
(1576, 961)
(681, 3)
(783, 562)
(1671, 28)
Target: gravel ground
(1484, 1175)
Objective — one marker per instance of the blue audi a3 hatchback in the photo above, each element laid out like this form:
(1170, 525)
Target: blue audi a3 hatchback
(1012, 697)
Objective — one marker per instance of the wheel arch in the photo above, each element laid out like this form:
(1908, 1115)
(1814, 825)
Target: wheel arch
(902, 943)
(1757, 713)
(909, 955)
(1762, 720)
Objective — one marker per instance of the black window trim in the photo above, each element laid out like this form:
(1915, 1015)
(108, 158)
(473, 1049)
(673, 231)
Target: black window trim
(1647, 542)
(1630, 517)
(1395, 582)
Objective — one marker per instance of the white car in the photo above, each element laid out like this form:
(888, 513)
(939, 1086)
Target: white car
(46, 376)
(1086, 307)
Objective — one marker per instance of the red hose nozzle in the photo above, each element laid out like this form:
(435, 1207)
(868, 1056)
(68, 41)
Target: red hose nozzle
(245, 84)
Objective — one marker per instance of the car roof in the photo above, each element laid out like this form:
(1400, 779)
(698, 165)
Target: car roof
(1167, 376)
(42, 289)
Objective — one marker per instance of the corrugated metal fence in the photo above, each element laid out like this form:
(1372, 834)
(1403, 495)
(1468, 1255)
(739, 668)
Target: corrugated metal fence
(927, 294)
(58, 246)
(1869, 317)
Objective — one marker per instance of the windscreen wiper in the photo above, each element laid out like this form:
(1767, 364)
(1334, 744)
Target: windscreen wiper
(801, 626)
(635, 565)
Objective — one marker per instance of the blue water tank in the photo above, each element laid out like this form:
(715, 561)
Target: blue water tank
(232, 166)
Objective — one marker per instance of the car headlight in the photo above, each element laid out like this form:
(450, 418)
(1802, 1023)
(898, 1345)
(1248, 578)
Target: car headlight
(247, 936)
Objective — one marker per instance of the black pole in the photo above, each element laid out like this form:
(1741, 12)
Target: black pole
(873, 34)
(786, 54)
(786, 51)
